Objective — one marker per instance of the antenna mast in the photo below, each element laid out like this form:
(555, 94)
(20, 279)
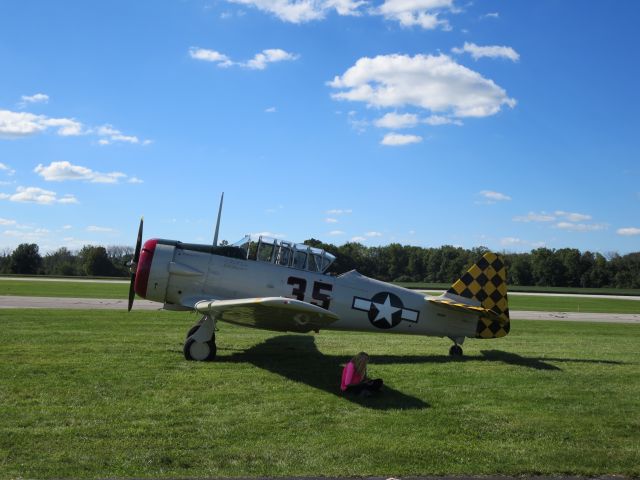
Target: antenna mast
(215, 235)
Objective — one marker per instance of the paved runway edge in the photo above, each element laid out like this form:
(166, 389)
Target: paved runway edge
(14, 301)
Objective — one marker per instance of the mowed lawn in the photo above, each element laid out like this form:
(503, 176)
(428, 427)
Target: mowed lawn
(52, 288)
(108, 394)
(89, 289)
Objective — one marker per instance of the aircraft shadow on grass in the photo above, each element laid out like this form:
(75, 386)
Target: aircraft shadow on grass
(297, 358)
(537, 363)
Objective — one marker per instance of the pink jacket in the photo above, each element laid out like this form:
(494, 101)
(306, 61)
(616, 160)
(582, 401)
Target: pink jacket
(349, 376)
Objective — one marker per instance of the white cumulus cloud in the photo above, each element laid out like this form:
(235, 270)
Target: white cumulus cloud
(336, 232)
(580, 227)
(110, 135)
(628, 231)
(394, 120)
(435, 83)
(37, 195)
(421, 13)
(339, 211)
(36, 98)
(270, 55)
(63, 171)
(398, 139)
(95, 228)
(22, 124)
(490, 51)
(6, 169)
(302, 11)
(494, 196)
(258, 62)
(535, 217)
(210, 56)
(436, 120)
(573, 217)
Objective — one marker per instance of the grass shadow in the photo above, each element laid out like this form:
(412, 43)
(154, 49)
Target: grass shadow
(297, 358)
(536, 363)
(487, 356)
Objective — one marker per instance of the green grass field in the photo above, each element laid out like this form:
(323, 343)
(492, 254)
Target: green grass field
(79, 289)
(106, 394)
(120, 290)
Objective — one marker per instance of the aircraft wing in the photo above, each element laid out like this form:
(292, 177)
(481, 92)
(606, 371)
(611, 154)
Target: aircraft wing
(269, 313)
(484, 312)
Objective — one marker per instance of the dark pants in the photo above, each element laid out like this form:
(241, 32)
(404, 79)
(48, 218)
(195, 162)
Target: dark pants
(369, 385)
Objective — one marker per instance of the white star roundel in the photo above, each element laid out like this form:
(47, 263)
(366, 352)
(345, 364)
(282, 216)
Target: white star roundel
(385, 310)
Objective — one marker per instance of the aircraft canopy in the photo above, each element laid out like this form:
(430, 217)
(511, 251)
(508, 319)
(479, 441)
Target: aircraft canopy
(288, 254)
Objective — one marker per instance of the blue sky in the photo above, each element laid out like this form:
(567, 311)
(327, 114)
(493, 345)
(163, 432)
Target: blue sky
(511, 125)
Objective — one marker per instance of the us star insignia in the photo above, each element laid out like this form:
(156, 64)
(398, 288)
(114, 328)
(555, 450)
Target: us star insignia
(385, 310)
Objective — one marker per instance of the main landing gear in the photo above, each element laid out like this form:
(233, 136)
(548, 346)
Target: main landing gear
(200, 344)
(455, 351)
(456, 348)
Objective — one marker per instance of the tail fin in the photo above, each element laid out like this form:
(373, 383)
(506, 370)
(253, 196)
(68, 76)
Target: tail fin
(485, 285)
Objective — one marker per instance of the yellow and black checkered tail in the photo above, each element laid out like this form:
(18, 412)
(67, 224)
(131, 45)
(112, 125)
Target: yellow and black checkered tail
(485, 285)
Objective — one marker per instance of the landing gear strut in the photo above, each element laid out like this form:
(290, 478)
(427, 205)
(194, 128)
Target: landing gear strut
(200, 344)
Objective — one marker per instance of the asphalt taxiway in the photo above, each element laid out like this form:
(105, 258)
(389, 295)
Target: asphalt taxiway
(14, 301)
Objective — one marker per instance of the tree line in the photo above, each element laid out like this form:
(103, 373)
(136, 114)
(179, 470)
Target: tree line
(565, 267)
(90, 260)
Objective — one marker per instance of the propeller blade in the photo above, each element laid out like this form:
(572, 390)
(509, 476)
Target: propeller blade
(136, 255)
(134, 266)
(132, 292)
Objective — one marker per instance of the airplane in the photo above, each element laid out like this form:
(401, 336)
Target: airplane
(282, 286)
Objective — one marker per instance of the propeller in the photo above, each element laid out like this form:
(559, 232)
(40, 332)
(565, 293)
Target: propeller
(133, 266)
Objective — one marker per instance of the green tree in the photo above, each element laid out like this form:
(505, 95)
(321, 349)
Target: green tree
(547, 270)
(60, 262)
(5, 261)
(570, 259)
(95, 261)
(599, 274)
(519, 269)
(25, 259)
(120, 256)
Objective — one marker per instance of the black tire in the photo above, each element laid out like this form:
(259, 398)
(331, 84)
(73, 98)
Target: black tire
(455, 351)
(189, 352)
(193, 329)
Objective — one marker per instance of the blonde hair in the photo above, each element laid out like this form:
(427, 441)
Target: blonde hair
(360, 363)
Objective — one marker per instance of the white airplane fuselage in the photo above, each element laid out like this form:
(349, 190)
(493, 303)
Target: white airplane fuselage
(179, 275)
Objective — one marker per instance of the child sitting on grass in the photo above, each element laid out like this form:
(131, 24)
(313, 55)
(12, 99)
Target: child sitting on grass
(355, 379)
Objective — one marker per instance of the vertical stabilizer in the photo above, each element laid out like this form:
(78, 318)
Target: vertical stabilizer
(485, 285)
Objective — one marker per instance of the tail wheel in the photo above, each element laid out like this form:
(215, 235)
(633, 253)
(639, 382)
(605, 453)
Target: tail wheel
(455, 351)
(200, 351)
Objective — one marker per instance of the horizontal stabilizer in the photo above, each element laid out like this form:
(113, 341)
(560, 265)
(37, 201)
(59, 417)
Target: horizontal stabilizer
(446, 303)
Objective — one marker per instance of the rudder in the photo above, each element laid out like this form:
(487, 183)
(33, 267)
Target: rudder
(485, 285)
